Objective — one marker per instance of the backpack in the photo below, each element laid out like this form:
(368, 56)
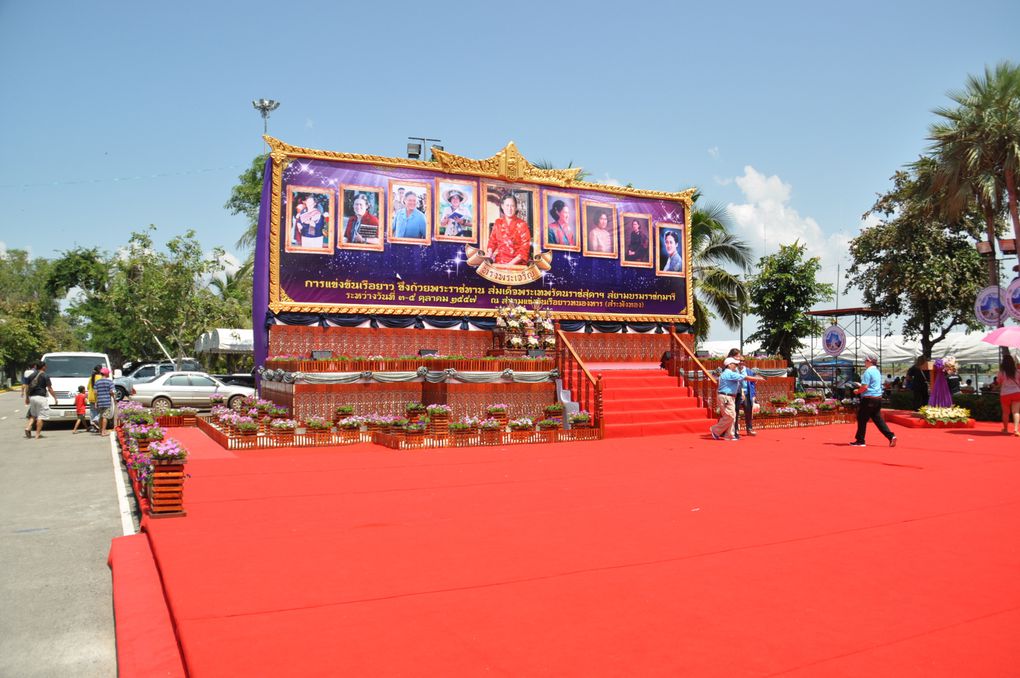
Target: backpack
(91, 390)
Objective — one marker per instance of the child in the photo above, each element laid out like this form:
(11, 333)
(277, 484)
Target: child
(81, 410)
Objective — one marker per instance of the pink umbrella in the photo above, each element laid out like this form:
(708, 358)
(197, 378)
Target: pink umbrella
(1004, 336)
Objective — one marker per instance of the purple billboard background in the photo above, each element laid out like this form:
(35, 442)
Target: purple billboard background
(592, 285)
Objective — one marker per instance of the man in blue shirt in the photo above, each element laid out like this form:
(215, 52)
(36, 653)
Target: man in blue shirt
(730, 382)
(870, 392)
(409, 221)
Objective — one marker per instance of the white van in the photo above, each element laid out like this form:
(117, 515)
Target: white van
(68, 371)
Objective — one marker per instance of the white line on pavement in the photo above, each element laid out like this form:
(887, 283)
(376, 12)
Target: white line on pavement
(126, 521)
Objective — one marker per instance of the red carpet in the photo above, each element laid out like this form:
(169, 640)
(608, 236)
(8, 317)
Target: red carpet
(790, 553)
(648, 402)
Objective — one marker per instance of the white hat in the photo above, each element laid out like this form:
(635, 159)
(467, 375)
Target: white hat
(730, 361)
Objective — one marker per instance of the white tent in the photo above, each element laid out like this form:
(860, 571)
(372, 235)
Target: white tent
(967, 348)
(226, 341)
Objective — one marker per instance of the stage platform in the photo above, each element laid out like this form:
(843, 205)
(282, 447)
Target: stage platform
(790, 553)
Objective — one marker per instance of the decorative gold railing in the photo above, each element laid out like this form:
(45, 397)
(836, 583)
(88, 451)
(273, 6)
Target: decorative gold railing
(585, 389)
(692, 373)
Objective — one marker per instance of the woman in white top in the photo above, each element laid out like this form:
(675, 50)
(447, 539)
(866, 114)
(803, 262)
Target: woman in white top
(1009, 393)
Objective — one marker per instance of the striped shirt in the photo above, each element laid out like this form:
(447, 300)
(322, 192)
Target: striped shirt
(104, 393)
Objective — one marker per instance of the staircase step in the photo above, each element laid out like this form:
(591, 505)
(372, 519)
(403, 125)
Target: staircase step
(656, 404)
(644, 393)
(695, 426)
(653, 416)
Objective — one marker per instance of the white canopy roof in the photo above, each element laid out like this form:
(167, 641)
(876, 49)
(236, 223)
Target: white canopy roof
(968, 348)
(226, 341)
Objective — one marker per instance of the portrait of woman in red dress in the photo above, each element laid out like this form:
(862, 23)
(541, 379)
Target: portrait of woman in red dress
(509, 242)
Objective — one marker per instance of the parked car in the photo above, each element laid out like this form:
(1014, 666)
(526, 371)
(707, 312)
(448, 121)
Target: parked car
(68, 371)
(147, 371)
(186, 389)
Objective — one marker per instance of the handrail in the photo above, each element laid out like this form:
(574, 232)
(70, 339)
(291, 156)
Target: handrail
(586, 390)
(683, 362)
(693, 356)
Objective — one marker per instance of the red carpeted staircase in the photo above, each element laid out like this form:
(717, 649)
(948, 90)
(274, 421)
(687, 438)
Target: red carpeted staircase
(647, 402)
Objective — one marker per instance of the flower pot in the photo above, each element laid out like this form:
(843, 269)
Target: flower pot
(165, 492)
(439, 424)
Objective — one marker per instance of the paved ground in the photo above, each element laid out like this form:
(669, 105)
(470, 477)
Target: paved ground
(58, 513)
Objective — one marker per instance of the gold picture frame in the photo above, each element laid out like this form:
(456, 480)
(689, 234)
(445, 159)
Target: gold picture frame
(549, 200)
(492, 211)
(645, 221)
(397, 188)
(292, 242)
(592, 212)
(469, 207)
(662, 229)
(348, 193)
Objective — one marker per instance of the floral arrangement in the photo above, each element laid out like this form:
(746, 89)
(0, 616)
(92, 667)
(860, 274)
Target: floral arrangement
(126, 406)
(414, 406)
(246, 424)
(142, 465)
(144, 431)
(786, 411)
(460, 426)
(490, 425)
(351, 423)
(497, 408)
(549, 423)
(188, 411)
(944, 415)
(778, 400)
(799, 394)
(470, 422)
(526, 327)
(279, 412)
(283, 425)
(317, 424)
(581, 417)
(849, 402)
(418, 427)
(439, 410)
(813, 393)
(136, 416)
(827, 405)
(398, 422)
(798, 402)
(344, 410)
(522, 424)
(217, 398)
(949, 364)
(809, 410)
(555, 407)
(168, 450)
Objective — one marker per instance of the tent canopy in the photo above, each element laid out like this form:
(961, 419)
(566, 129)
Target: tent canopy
(226, 341)
(967, 348)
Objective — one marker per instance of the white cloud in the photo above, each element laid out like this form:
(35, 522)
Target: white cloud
(723, 181)
(607, 180)
(714, 151)
(767, 219)
(309, 123)
(3, 250)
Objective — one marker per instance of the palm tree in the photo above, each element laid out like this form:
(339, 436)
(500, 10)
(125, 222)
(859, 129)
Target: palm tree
(717, 292)
(978, 147)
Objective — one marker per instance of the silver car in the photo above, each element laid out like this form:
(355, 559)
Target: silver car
(186, 389)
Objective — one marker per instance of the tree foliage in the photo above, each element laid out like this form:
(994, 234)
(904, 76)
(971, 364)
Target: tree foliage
(717, 291)
(138, 294)
(913, 264)
(245, 198)
(781, 294)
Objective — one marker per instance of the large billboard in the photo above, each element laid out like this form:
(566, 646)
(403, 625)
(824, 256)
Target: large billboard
(366, 234)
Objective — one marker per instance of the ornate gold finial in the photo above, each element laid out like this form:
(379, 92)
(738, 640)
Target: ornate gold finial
(508, 165)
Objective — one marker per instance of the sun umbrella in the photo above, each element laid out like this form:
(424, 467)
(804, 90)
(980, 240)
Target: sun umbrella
(1004, 336)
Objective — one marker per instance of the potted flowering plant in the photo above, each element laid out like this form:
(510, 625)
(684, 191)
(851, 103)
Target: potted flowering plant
(554, 410)
(944, 416)
(166, 487)
(282, 430)
(217, 398)
(547, 424)
(813, 394)
(786, 411)
(779, 401)
(491, 431)
(580, 419)
(520, 429)
(342, 412)
(188, 416)
(498, 411)
(246, 427)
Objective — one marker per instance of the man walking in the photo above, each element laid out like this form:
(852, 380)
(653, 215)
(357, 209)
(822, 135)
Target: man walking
(104, 399)
(36, 388)
(730, 382)
(870, 392)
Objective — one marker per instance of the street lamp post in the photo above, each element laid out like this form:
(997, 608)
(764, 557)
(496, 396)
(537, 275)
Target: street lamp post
(265, 107)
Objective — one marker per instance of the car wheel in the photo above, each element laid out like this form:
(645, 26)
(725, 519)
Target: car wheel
(235, 402)
(161, 403)
(119, 392)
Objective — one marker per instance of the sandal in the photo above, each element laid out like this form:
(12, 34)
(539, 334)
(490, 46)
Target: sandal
(28, 434)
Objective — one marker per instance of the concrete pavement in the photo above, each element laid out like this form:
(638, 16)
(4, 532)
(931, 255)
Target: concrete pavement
(59, 510)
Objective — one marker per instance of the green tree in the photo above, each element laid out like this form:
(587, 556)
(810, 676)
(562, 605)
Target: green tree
(245, 198)
(914, 265)
(781, 294)
(717, 291)
(977, 146)
(139, 294)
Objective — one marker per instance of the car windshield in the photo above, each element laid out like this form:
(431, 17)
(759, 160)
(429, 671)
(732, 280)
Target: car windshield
(71, 365)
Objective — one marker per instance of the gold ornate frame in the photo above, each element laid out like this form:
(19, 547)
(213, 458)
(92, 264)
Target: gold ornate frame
(391, 214)
(661, 226)
(329, 233)
(483, 205)
(509, 166)
(574, 201)
(342, 223)
(586, 249)
(626, 217)
(475, 221)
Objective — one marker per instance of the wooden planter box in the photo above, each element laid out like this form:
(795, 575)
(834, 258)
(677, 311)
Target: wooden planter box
(166, 490)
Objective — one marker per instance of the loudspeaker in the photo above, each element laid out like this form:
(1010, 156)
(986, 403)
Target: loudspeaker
(427, 351)
(322, 355)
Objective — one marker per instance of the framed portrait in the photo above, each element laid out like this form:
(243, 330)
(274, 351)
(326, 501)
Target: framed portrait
(508, 224)
(560, 222)
(360, 225)
(669, 250)
(410, 212)
(456, 211)
(310, 220)
(598, 229)
(636, 240)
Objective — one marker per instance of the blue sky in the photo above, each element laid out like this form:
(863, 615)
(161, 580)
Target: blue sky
(116, 115)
